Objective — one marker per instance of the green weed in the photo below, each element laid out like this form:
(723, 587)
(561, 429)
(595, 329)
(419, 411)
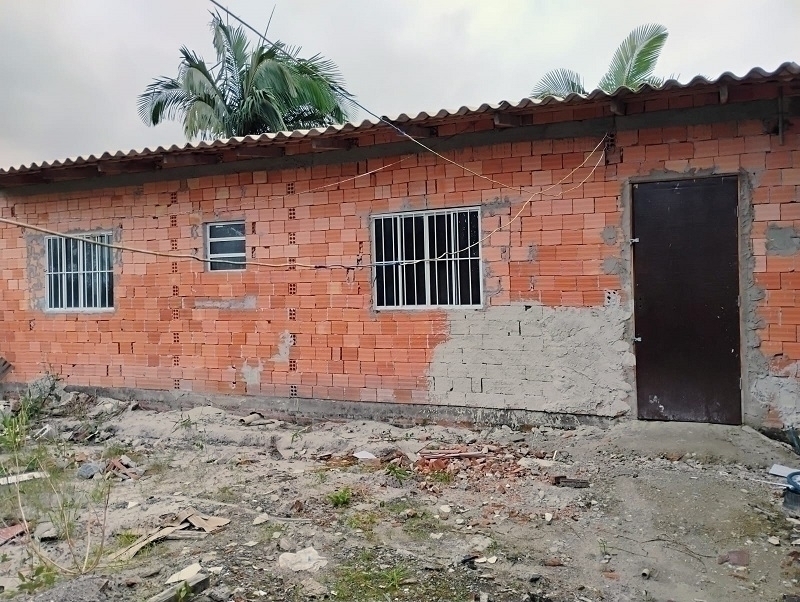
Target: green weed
(398, 472)
(341, 497)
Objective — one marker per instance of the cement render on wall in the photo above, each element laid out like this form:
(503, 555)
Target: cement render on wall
(536, 358)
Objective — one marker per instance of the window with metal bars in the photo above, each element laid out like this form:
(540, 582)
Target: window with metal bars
(226, 246)
(427, 259)
(80, 274)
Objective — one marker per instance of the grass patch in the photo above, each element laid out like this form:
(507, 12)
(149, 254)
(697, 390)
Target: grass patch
(126, 538)
(226, 495)
(365, 521)
(398, 472)
(341, 497)
(422, 525)
(396, 506)
(367, 579)
(440, 476)
(357, 582)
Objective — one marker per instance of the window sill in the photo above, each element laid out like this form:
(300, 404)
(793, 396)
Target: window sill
(418, 308)
(82, 310)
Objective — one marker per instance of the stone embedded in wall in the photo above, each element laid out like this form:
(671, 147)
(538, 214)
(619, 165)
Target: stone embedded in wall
(539, 358)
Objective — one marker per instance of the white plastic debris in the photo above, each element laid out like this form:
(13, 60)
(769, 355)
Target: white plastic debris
(307, 559)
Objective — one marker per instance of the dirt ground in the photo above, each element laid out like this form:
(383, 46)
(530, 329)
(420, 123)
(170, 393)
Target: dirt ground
(666, 503)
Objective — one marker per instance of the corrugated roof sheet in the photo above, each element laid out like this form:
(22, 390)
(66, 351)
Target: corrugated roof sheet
(786, 71)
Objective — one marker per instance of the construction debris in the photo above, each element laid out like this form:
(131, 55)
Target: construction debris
(9, 533)
(185, 574)
(424, 498)
(183, 520)
(563, 481)
(21, 478)
(5, 367)
(179, 592)
(778, 470)
(307, 559)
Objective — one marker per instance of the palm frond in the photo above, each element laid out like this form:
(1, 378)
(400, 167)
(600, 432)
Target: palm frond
(559, 83)
(164, 98)
(635, 60)
(266, 89)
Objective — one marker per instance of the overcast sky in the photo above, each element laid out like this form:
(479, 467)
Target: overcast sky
(72, 69)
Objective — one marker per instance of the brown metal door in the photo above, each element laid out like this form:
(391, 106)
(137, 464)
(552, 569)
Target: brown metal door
(686, 291)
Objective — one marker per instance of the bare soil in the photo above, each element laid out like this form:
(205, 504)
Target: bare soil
(665, 502)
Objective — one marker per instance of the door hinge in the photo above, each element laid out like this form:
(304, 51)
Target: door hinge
(633, 241)
(637, 339)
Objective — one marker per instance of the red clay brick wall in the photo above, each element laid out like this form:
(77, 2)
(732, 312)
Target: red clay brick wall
(552, 254)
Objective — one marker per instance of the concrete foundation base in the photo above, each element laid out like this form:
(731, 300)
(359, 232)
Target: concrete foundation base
(304, 410)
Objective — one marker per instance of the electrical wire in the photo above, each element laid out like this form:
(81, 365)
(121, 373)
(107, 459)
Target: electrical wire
(447, 254)
(384, 120)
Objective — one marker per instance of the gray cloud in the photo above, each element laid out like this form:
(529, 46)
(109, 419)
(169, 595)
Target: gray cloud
(71, 71)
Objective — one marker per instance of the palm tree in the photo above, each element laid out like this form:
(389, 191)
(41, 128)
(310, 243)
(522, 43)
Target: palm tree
(266, 89)
(631, 67)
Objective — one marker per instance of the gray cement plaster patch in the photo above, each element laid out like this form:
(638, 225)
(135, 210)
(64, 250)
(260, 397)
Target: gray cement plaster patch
(782, 240)
(536, 358)
(36, 262)
(609, 235)
(613, 265)
(246, 302)
(252, 375)
(781, 393)
(284, 345)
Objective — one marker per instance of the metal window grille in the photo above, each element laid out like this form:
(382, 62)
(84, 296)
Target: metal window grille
(226, 246)
(80, 275)
(427, 259)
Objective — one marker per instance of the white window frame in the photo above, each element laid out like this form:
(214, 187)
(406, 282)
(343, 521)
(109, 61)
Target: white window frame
(225, 256)
(456, 277)
(82, 272)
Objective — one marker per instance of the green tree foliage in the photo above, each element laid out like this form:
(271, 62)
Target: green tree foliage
(250, 90)
(632, 67)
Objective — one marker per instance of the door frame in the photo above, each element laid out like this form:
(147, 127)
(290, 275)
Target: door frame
(745, 250)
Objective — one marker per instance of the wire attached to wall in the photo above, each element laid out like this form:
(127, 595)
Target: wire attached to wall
(118, 247)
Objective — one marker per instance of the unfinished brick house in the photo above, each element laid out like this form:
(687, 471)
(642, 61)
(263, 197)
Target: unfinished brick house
(632, 255)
